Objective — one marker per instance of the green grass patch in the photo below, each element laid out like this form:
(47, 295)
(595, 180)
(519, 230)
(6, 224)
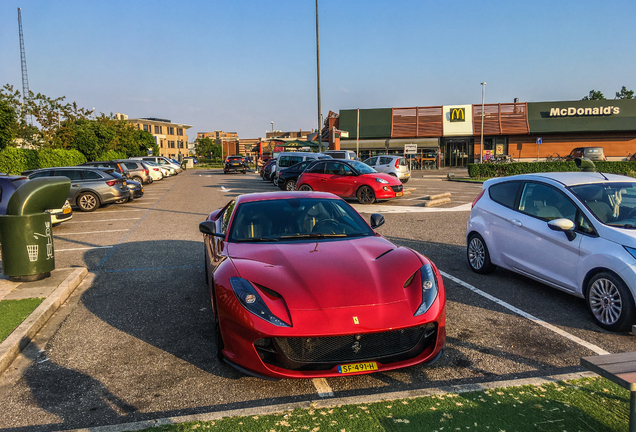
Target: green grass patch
(13, 312)
(590, 404)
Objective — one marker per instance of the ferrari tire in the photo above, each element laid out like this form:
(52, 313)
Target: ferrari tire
(478, 255)
(88, 202)
(305, 188)
(610, 302)
(218, 338)
(365, 195)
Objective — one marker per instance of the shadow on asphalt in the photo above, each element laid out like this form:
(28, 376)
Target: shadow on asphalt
(562, 309)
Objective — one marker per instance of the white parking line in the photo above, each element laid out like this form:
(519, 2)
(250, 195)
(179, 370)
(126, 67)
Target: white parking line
(324, 390)
(90, 232)
(408, 209)
(84, 248)
(101, 220)
(591, 347)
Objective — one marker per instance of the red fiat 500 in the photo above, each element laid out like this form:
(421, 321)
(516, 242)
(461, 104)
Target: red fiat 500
(301, 286)
(350, 179)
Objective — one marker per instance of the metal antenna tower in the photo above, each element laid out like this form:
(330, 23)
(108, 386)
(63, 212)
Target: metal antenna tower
(25, 77)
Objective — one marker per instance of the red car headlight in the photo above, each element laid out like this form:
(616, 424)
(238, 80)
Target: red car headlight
(251, 300)
(430, 289)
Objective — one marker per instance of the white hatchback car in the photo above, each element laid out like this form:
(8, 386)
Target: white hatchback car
(575, 231)
(395, 165)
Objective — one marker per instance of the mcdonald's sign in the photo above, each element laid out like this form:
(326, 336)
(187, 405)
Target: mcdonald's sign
(458, 115)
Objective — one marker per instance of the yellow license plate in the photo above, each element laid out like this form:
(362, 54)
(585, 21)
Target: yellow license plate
(399, 194)
(67, 210)
(357, 367)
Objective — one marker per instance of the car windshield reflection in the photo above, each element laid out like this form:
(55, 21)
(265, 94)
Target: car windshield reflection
(296, 219)
(613, 204)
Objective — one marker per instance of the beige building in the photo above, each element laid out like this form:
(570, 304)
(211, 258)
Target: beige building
(171, 138)
(229, 141)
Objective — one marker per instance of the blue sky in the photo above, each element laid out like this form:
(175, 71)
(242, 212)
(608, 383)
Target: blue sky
(236, 65)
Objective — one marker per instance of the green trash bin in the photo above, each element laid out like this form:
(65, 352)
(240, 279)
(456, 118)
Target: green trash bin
(25, 231)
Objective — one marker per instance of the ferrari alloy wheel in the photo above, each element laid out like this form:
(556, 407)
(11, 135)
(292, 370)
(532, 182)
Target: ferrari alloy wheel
(365, 195)
(478, 256)
(88, 202)
(290, 185)
(305, 188)
(610, 302)
(218, 339)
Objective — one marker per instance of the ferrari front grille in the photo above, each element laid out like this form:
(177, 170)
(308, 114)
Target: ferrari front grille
(352, 347)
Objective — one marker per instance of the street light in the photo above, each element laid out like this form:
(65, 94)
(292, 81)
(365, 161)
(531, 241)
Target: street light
(481, 149)
(272, 128)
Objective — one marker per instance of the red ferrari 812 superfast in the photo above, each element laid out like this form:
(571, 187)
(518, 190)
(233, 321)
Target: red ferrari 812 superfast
(303, 287)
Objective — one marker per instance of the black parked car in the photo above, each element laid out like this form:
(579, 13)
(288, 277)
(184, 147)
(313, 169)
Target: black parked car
(119, 167)
(288, 177)
(267, 171)
(235, 163)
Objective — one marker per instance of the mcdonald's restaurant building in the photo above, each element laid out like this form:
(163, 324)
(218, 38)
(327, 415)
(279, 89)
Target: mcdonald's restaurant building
(451, 135)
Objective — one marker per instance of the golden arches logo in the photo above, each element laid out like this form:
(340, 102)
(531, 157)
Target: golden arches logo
(458, 115)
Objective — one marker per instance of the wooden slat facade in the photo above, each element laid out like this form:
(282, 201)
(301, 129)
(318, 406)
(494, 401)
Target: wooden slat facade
(501, 119)
(417, 122)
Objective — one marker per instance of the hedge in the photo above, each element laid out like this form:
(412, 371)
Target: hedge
(488, 170)
(15, 160)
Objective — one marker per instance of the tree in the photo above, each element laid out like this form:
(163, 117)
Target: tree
(625, 94)
(594, 95)
(8, 124)
(206, 147)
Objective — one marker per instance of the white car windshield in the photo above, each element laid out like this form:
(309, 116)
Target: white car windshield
(613, 204)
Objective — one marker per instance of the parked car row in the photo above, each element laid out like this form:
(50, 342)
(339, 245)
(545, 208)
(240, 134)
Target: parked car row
(95, 184)
(346, 178)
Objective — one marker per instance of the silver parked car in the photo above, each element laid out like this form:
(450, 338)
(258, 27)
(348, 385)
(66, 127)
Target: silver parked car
(139, 171)
(394, 165)
(90, 187)
(572, 231)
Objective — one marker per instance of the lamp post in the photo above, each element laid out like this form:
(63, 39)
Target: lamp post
(481, 149)
(318, 75)
(272, 128)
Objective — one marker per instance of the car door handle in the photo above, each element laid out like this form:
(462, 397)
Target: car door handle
(75, 185)
(323, 179)
(516, 222)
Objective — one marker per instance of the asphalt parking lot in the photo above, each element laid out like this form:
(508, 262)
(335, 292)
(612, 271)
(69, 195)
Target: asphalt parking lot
(134, 341)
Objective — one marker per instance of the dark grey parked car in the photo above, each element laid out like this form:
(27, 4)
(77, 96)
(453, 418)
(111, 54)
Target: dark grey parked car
(139, 171)
(90, 187)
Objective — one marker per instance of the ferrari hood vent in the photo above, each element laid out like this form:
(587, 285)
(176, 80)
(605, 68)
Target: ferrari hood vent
(384, 253)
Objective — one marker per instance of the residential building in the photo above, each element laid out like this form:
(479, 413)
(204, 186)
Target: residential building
(171, 138)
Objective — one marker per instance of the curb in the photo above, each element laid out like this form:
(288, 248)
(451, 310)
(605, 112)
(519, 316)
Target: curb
(333, 402)
(11, 347)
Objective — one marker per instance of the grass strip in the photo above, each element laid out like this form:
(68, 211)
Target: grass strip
(588, 404)
(13, 312)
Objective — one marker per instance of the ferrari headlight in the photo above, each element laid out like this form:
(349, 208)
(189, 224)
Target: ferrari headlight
(379, 180)
(429, 289)
(252, 301)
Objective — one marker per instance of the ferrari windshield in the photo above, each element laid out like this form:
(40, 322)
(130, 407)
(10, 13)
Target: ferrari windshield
(613, 204)
(296, 219)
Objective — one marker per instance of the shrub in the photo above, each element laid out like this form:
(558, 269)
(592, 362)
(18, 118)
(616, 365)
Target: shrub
(488, 170)
(16, 160)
